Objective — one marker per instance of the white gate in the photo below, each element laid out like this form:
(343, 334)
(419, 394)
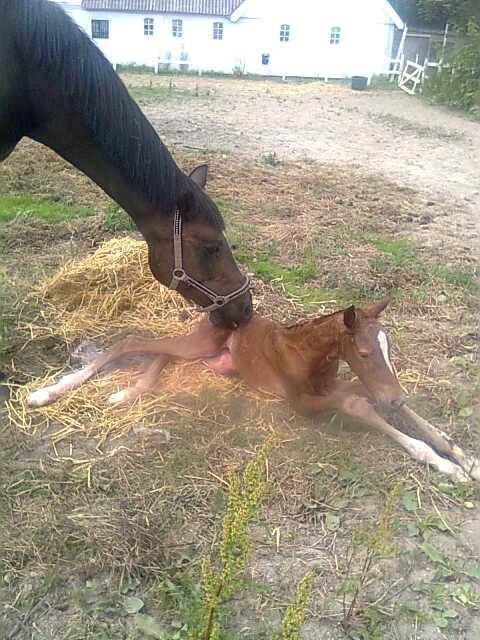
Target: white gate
(411, 76)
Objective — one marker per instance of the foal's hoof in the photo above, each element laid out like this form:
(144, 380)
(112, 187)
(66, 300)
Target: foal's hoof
(121, 397)
(39, 398)
(474, 470)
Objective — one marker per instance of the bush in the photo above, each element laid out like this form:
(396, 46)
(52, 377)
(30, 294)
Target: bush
(459, 85)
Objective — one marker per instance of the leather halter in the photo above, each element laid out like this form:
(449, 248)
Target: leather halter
(180, 275)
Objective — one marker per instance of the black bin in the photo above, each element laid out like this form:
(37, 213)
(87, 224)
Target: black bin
(359, 83)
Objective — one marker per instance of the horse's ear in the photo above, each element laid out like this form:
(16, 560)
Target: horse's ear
(350, 317)
(375, 309)
(199, 175)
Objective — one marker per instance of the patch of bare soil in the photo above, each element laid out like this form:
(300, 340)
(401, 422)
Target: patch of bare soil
(384, 133)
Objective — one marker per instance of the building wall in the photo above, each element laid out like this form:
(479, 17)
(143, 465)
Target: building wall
(364, 47)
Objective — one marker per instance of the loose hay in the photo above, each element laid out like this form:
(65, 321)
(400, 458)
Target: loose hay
(100, 296)
(110, 290)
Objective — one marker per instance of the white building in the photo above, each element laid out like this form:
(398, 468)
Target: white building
(306, 38)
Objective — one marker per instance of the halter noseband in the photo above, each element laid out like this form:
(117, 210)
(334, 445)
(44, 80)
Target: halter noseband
(180, 275)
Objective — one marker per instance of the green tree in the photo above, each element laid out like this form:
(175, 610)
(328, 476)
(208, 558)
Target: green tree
(436, 13)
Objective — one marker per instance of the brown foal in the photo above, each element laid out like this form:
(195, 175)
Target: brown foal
(298, 362)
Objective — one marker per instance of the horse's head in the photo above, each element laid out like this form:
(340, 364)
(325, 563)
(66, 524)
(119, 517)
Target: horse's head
(365, 345)
(205, 255)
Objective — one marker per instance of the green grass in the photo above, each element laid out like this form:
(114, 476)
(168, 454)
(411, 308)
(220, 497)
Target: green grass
(270, 270)
(422, 131)
(455, 276)
(116, 219)
(46, 209)
(401, 252)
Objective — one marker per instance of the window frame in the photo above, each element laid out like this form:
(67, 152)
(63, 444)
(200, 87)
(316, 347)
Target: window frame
(218, 30)
(148, 27)
(285, 32)
(177, 28)
(335, 35)
(101, 33)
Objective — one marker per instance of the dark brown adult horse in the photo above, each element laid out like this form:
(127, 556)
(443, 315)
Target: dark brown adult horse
(57, 88)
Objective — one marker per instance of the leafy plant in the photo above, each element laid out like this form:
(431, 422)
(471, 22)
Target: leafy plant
(459, 85)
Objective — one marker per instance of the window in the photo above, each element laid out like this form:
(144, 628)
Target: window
(100, 28)
(177, 28)
(218, 30)
(335, 33)
(148, 26)
(284, 33)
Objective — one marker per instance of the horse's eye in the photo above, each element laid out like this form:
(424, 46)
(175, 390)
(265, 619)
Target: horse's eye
(363, 354)
(212, 249)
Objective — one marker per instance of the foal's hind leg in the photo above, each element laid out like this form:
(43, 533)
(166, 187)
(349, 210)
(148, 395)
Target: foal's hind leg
(144, 383)
(202, 342)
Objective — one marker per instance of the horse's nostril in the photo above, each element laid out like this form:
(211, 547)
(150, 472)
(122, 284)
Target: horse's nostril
(397, 403)
(247, 310)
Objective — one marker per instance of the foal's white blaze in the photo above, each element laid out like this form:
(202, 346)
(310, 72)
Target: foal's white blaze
(383, 342)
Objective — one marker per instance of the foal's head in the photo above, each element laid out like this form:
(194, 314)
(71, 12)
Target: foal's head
(365, 345)
(206, 255)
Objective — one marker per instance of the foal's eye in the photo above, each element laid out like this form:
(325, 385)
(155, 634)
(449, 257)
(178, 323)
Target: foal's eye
(212, 249)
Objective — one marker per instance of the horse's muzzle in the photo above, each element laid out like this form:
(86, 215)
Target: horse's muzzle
(233, 314)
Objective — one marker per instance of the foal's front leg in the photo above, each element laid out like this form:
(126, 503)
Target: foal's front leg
(443, 443)
(344, 397)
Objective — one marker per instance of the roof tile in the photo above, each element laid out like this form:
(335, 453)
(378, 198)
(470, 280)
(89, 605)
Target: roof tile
(200, 7)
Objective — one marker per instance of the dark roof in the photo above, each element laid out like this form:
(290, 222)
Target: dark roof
(199, 7)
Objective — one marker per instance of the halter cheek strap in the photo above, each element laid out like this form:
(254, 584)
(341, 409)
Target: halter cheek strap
(180, 275)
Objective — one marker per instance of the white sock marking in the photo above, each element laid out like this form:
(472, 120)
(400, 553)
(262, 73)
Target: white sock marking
(383, 342)
(422, 452)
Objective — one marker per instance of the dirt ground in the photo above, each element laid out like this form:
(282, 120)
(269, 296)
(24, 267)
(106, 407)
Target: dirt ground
(386, 133)
(376, 193)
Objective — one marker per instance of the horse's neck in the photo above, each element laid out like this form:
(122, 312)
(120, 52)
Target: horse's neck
(78, 148)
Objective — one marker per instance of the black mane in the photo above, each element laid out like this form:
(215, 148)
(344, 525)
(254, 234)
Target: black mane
(50, 40)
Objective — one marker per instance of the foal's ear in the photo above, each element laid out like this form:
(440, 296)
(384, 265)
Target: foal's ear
(375, 309)
(350, 317)
(199, 175)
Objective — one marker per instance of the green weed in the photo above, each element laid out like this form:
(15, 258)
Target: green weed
(218, 584)
(370, 546)
(271, 159)
(455, 276)
(46, 209)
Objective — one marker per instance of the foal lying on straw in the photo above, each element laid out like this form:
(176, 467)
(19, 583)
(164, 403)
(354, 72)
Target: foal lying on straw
(300, 363)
